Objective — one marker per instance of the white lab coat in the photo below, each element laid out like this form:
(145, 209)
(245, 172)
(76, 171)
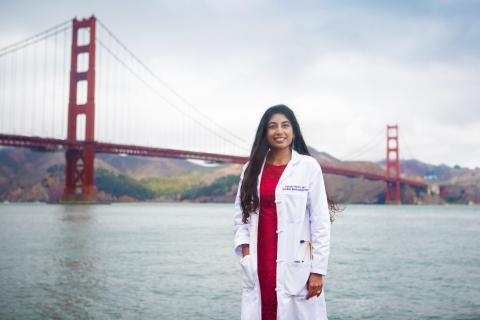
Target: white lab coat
(302, 214)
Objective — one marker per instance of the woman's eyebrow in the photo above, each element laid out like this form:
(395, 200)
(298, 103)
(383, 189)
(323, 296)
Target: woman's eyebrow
(276, 123)
(283, 122)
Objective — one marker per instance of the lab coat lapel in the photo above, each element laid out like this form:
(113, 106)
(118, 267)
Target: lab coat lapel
(288, 169)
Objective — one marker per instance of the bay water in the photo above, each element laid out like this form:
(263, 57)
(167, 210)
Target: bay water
(176, 261)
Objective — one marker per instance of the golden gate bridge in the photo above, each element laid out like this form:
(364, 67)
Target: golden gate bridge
(109, 102)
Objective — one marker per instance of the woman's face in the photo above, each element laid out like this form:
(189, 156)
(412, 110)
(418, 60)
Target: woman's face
(279, 132)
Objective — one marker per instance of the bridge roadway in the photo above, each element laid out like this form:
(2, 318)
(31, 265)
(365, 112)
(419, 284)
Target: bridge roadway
(101, 147)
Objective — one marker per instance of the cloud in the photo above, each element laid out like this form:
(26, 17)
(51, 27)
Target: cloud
(347, 68)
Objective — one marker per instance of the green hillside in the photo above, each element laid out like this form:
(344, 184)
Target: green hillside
(120, 185)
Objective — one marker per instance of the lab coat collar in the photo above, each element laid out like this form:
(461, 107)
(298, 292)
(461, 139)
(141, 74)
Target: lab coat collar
(293, 160)
(295, 157)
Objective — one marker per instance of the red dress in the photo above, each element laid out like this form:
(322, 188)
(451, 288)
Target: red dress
(267, 240)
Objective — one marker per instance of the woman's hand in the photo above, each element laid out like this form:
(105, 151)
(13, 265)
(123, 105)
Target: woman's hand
(245, 249)
(314, 285)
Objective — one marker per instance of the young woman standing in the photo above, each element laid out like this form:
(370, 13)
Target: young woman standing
(282, 224)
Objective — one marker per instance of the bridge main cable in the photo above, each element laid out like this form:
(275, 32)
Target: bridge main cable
(175, 93)
(35, 38)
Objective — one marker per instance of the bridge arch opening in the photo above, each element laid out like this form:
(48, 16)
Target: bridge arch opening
(81, 122)
(83, 38)
(82, 92)
(392, 144)
(82, 62)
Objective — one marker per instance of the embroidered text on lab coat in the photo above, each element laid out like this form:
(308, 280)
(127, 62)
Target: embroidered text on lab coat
(294, 188)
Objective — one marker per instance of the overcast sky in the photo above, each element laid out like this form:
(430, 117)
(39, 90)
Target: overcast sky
(347, 68)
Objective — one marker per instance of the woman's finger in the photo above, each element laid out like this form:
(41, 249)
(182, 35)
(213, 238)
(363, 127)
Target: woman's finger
(311, 292)
(314, 291)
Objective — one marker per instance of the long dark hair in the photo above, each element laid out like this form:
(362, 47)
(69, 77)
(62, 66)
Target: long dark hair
(248, 192)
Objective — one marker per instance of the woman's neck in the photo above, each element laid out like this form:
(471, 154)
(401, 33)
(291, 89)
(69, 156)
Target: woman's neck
(279, 157)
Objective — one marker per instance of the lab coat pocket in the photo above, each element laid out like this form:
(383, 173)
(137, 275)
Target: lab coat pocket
(295, 204)
(249, 273)
(296, 276)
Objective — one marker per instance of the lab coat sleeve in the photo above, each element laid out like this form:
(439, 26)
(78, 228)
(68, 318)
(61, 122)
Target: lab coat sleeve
(241, 230)
(319, 221)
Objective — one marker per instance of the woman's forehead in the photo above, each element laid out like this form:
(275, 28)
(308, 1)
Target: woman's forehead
(278, 117)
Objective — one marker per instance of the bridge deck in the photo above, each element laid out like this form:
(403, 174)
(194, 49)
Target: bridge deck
(101, 147)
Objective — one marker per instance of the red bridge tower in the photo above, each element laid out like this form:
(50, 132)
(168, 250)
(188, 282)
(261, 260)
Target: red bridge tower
(393, 165)
(79, 169)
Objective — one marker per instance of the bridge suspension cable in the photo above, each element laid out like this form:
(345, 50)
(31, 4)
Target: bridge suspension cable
(376, 139)
(405, 142)
(35, 38)
(161, 96)
(31, 74)
(185, 107)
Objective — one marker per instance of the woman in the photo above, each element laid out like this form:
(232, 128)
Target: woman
(282, 224)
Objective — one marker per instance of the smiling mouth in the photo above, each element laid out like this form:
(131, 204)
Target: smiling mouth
(279, 139)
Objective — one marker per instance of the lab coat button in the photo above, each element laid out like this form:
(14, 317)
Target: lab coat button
(279, 230)
(278, 289)
(278, 201)
(279, 260)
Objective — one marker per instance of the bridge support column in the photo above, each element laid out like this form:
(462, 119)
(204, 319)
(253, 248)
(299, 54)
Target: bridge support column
(80, 155)
(393, 165)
